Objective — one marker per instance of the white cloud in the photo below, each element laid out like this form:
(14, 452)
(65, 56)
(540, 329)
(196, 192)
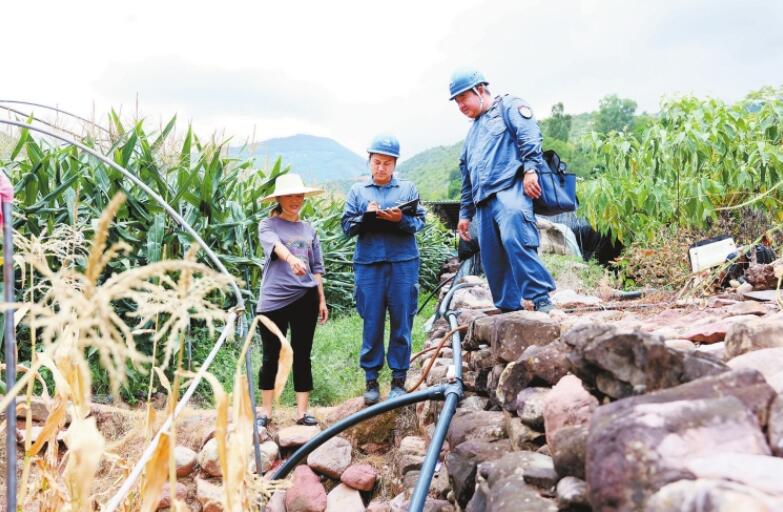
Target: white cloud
(350, 69)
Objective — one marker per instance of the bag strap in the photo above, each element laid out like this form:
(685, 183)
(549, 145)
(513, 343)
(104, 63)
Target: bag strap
(504, 115)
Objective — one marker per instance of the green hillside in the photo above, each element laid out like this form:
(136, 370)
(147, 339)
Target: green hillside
(318, 159)
(432, 170)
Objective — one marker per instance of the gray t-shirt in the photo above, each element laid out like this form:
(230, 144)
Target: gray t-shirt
(279, 286)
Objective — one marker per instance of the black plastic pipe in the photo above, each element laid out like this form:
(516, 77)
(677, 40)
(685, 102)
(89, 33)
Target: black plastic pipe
(433, 393)
(10, 357)
(453, 396)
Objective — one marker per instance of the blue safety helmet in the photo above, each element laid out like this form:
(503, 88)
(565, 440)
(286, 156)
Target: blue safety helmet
(465, 79)
(385, 144)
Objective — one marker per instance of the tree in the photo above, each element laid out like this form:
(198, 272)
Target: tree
(614, 114)
(559, 125)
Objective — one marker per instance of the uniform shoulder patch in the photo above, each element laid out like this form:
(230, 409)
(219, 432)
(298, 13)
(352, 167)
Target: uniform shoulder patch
(525, 111)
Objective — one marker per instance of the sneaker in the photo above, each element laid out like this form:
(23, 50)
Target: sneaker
(543, 305)
(373, 394)
(263, 421)
(397, 388)
(308, 420)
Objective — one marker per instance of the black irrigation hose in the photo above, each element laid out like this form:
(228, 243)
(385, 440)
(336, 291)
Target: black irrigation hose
(453, 396)
(435, 291)
(433, 393)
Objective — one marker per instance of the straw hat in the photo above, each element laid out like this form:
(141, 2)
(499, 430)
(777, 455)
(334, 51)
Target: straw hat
(291, 184)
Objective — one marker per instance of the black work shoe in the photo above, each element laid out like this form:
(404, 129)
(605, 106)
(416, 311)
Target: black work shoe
(397, 388)
(308, 420)
(373, 394)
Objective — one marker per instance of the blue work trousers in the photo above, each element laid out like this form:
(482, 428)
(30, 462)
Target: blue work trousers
(391, 286)
(508, 239)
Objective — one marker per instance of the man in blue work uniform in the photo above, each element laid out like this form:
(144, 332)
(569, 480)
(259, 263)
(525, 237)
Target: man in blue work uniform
(386, 264)
(499, 165)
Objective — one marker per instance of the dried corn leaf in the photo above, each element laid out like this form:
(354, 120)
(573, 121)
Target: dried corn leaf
(85, 448)
(155, 475)
(50, 429)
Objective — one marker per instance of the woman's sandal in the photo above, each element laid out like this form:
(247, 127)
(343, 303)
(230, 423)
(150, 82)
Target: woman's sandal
(263, 421)
(306, 419)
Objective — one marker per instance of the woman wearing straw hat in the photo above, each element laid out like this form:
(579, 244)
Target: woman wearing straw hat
(292, 292)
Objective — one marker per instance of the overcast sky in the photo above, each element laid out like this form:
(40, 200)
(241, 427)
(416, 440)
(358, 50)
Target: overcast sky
(350, 69)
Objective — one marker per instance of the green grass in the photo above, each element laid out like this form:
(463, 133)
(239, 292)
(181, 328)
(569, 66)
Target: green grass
(336, 372)
(575, 272)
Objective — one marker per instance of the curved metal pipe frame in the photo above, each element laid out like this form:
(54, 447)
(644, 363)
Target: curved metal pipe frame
(10, 356)
(239, 309)
(55, 109)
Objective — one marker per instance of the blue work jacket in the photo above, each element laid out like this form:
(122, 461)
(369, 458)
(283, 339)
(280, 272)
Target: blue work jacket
(398, 241)
(492, 154)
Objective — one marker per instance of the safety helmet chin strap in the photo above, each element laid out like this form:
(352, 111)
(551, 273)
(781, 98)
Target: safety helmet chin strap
(481, 98)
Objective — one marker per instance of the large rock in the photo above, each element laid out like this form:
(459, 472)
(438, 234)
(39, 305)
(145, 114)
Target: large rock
(507, 484)
(638, 360)
(379, 506)
(297, 435)
(269, 454)
(620, 362)
(547, 364)
(513, 379)
(775, 426)
(208, 459)
(570, 451)
(344, 499)
(400, 503)
(530, 407)
(539, 365)
(509, 334)
(474, 403)
(761, 472)
(361, 477)
(516, 331)
(637, 445)
(482, 358)
(707, 495)
(467, 425)
(475, 297)
(277, 502)
(748, 336)
(714, 331)
(185, 460)
(769, 361)
(306, 493)
(762, 277)
(180, 492)
(209, 495)
(376, 430)
(462, 461)
(572, 494)
(331, 458)
(521, 436)
(568, 404)
(411, 453)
